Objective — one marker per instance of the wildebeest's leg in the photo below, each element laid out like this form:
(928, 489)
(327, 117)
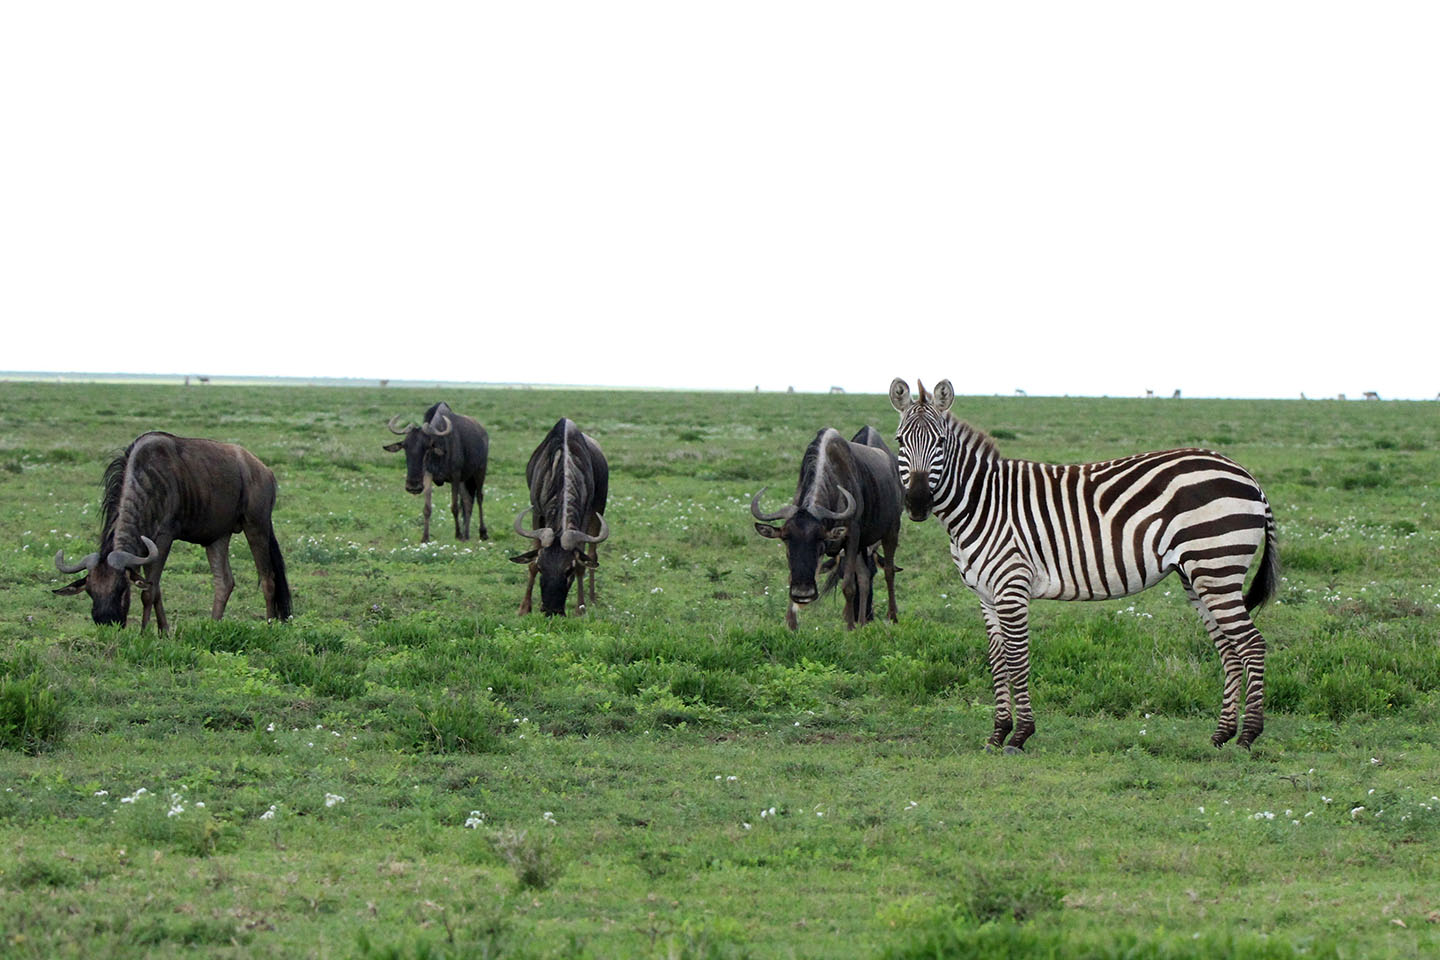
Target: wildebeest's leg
(995, 653)
(891, 541)
(150, 593)
(429, 486)
(594, 554)
(467, 502)
(1012, 610)
(850, 566)
(529, 591)
(867, 591)
(1229, 663)
(218, 553)
(477, 489)
(460, 511)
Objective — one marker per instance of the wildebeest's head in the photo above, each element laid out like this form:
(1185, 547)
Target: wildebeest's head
(425, 450)
(920, 438)
(558, 560)
(107, 581)
(807, 532)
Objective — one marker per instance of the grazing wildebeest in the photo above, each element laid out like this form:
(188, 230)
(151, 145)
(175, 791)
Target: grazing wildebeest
(446, 448)
(165, 488)
(847, 503)
(569, 481)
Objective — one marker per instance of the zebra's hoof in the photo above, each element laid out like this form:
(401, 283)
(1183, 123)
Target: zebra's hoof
(992, 748)
(1013, 751)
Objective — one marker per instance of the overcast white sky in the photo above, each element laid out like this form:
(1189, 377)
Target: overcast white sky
(1233, 199)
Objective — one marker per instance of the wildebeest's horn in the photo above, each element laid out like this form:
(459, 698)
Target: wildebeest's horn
(846, 512)
(784, 513)
(394, 429)
(430, 427)
(545, 535)
(122, 560)
(89, 562)
(571, 539)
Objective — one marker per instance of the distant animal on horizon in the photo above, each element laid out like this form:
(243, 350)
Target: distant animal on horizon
(847, 504)
(1175, 395)
(165, 488)
(837, 389)
(1021, 530)
(1149, 393)
(569, 482)
(1371, 395)
(1020, 393)
(445, 448)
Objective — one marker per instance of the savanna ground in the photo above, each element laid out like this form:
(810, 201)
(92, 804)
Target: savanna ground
(409, 769)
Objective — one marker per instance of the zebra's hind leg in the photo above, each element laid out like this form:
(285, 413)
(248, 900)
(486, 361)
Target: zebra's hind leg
(1229, 663)
(995, 652)
(1227, 606)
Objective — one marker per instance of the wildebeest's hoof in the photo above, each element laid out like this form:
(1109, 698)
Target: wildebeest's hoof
(1013, 751)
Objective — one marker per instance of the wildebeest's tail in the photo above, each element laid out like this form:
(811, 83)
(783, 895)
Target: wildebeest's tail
(1267, 578)
(282, 583)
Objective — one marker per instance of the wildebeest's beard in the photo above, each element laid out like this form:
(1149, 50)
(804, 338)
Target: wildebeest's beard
(437, 460)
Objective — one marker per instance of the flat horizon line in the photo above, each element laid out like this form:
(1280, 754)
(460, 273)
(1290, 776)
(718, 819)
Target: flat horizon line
(260, 380)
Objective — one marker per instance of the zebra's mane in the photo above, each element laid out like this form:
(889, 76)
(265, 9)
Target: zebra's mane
(971, 436)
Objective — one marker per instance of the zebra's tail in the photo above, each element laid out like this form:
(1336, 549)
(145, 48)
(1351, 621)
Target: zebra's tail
(1267, 578)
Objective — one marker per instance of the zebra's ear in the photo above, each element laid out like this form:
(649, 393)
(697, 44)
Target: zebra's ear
(944, 395)
(900, 395)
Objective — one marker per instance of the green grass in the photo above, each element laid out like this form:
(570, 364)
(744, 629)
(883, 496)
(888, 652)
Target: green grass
(307, 786)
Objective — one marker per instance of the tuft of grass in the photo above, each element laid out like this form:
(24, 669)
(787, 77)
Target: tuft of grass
(32, 713)
(532, 857)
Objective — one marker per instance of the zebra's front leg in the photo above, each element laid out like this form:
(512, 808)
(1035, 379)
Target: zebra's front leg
(995, 652)
(1012, 611)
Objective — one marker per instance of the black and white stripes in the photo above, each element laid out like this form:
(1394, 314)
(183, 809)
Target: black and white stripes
(1021, 530)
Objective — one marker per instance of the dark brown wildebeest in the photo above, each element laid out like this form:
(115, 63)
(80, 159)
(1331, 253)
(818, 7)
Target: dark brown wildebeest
(847, 504)
(569, 481)
(446, 448)
(165, 488)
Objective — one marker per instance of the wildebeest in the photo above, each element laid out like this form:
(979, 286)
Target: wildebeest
(569, 481)
(847, 503)
(446, 448)
(165, 488)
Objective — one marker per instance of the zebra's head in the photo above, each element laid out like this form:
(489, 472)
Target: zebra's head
(920, 438)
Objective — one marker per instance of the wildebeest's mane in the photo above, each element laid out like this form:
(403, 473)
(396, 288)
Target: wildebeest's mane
(550, 462)
(807, 491)
(110, 489)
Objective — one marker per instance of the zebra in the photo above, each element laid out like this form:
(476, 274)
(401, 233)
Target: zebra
(1021, 530)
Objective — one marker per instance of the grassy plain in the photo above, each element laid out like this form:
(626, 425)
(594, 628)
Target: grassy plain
(678, 775)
